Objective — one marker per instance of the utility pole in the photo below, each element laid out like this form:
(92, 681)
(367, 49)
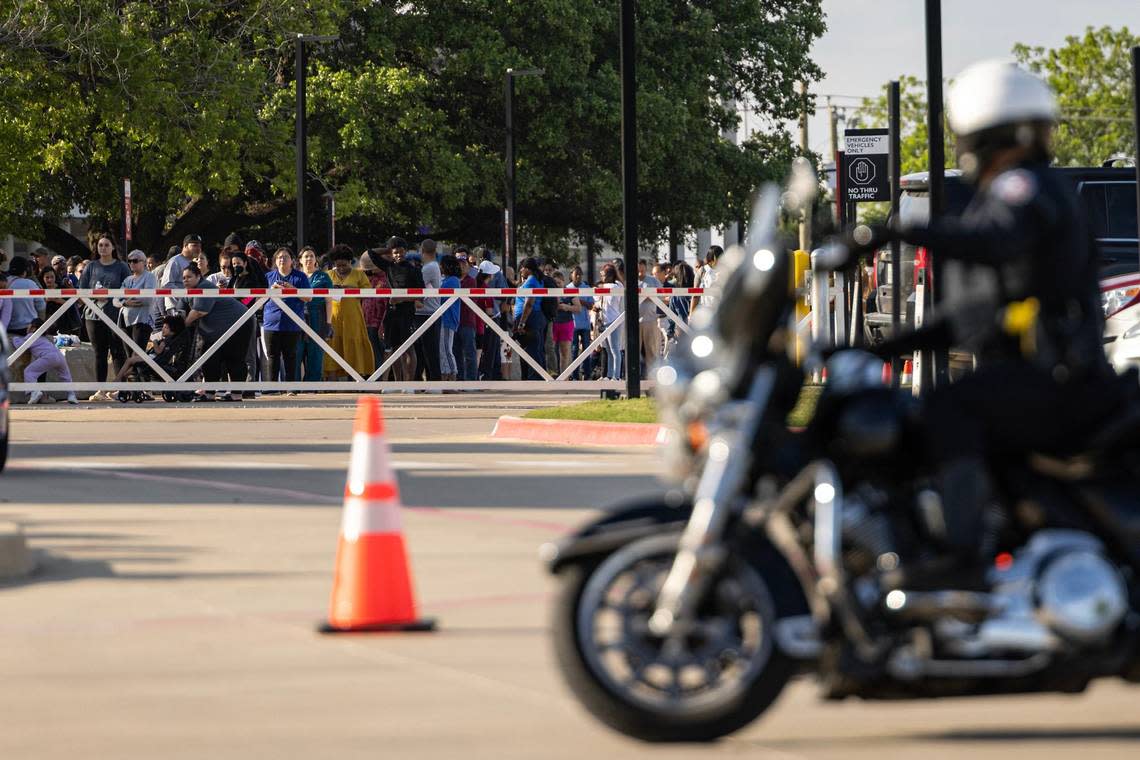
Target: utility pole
(894, 163)
(833, 129)
(302, 149)
(302, 129)
(805, 222)
(629, 197)
(937, 152)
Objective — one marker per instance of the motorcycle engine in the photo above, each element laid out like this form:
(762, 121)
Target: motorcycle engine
(1081, 595)
(1059, 588)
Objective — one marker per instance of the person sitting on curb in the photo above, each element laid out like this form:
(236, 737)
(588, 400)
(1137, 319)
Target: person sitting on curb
(45, 357)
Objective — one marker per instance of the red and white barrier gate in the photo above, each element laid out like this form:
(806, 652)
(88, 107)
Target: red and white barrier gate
(448, 296)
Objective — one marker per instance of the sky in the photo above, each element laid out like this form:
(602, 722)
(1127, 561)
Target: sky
(870, 42)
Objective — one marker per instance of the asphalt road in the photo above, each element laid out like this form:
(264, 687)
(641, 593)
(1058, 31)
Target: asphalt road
(187, 554)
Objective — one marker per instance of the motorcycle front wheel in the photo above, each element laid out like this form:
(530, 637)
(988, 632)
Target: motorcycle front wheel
(702, 683)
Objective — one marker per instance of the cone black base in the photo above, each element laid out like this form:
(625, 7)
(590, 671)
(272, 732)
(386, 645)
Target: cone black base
(415, 626)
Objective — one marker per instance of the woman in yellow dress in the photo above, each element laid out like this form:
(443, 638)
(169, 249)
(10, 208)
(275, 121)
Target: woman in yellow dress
(350, 334)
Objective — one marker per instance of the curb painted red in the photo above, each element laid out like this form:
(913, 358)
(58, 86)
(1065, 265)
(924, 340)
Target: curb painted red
(579, 432)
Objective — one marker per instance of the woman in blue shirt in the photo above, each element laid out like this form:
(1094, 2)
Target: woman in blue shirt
(530, 322)
(449, 322)
(280, 332)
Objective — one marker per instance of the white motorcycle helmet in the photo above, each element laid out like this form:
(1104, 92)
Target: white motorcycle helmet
(994, 105)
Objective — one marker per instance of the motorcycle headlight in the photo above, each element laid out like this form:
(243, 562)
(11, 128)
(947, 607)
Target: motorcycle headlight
(1132, 332)
(1117, 299)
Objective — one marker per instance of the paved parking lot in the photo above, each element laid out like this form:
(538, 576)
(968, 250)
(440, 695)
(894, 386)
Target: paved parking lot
(188, 554)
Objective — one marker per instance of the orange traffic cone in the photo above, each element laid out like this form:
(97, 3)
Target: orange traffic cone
(372, 587)
(908, 373)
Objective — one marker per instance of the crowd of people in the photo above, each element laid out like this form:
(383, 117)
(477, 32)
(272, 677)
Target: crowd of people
(459, 345)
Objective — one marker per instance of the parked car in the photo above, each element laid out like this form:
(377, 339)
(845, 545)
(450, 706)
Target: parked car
(1108, 194)
(5, 397)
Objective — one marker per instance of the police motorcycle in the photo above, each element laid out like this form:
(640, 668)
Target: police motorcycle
(778, 552)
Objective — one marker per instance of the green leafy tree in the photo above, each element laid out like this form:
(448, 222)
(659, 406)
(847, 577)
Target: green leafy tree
(193, 99)
(1092, 77)
(695, 61)
(167, 93)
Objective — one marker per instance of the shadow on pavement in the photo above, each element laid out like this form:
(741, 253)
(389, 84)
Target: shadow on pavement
(55, 568)
(317, 487)
(992, 735)
(1039, 735)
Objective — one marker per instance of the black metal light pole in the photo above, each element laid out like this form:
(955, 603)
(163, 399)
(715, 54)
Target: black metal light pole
(510, 225)
(1136, 124)
(629, 197)
(937, 153)
(894, 160)
(302, 148)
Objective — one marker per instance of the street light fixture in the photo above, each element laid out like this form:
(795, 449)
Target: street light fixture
(302, 134)
(510, 228)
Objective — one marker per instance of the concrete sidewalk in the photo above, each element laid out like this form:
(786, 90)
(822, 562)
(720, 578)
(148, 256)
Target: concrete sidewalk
(187, 557)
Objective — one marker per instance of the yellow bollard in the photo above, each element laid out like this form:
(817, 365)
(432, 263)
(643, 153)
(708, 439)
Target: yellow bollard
(801, 263)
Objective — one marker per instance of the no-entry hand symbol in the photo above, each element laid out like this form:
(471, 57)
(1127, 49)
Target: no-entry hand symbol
(862, 171)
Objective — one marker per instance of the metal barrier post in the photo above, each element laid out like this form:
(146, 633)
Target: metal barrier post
(820, 306)
(840, 286)
(918, 369)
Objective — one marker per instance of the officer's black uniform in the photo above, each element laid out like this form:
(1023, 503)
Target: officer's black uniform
(1045, 390)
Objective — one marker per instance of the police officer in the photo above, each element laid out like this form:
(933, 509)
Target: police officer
(1022, 293)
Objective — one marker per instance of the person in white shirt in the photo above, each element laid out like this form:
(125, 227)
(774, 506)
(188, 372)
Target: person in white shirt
(612, 306)
(708, 277)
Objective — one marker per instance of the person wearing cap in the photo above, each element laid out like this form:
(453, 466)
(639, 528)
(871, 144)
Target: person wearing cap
(1022, 245)
(106, 271)
(247, 274)
(491, 363)
(172, 274)
(136, 313)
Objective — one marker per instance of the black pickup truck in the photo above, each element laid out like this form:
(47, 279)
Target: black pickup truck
(1107, 193)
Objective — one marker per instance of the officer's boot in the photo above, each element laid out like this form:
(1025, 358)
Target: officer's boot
(955, 516)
